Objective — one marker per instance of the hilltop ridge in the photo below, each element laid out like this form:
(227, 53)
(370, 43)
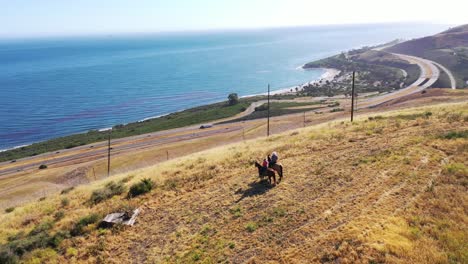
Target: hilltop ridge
(449, 48)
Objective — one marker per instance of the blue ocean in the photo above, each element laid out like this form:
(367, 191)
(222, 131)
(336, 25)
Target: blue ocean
(53, 87)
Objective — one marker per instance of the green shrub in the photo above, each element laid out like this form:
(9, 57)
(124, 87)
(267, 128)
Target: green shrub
(42, 167)
(59, 215)
(71, 252)
(280, 212)
(8, 257)
(455, 134)
(58, 237)
(457, 169)
(41, 228)
(9, 209)
(251, 227)
(111, 189)
(46, 255)
(140, 188)
(65, 202)
(236, 211)
(78, 228)
(26, 244)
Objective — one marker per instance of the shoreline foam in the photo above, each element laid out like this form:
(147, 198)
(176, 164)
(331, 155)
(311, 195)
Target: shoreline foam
(328, 75)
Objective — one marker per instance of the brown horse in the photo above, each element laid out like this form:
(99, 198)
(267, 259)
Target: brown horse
(279, 169)
(268, 172)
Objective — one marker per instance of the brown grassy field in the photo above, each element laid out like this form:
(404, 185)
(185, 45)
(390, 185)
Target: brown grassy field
(391, 187)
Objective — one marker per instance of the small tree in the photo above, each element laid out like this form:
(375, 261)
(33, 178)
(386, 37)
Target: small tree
(233, 99)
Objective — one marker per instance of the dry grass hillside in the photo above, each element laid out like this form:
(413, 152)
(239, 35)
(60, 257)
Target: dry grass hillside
(388, 188)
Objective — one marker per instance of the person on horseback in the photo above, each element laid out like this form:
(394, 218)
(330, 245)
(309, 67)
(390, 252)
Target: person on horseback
(273, 159)
(264, 165)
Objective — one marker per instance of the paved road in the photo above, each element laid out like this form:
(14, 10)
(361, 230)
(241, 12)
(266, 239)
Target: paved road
(453, 82)
(428, 76)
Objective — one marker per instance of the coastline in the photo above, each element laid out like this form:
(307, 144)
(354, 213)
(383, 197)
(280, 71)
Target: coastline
(329, 74)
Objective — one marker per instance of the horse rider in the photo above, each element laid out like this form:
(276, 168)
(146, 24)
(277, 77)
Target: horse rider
(264, 165)
(273, 159)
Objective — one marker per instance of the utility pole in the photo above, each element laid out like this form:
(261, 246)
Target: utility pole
(268, 118)
(108, 152)
(167, 154)
(352, 99)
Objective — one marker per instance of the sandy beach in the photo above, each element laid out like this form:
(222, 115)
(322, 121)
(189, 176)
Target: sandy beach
(328, 75)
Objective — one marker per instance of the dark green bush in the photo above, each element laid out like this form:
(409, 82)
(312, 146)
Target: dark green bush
(58, 237)
(42, 167)
(233, 99)
(41, 228)
(9, 209)
(26, 244)
(7, 257)
(455, 134)
(110, 190)
(59, 215)
(140, 188)
(78, 228)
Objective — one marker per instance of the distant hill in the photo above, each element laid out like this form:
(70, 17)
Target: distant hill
(449, 48)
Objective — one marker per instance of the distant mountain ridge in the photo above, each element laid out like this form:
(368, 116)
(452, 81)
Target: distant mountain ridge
(449, 48)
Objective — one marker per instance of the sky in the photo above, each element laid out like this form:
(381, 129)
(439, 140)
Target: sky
(30, 18)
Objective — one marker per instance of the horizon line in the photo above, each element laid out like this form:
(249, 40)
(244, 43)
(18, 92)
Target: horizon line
(207, 30)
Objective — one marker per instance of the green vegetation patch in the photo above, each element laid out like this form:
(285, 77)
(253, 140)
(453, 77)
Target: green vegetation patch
(79, 228)
(455, 134)
(110, 190)
(139, 188)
